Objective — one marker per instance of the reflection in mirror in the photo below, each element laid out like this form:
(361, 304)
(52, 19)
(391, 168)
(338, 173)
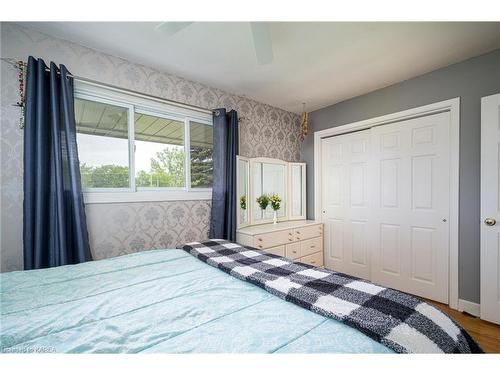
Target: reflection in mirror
(296, 188)
(268, 179)
(257, 190)
(243, 191)
(273, 182)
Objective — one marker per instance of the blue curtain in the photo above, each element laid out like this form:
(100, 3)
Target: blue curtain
(223, 213)
(55, 229)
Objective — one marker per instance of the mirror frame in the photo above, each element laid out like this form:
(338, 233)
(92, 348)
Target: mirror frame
(303, 187)
(251, 203)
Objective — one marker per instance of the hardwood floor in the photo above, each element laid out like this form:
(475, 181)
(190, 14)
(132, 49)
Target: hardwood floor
(486, 334)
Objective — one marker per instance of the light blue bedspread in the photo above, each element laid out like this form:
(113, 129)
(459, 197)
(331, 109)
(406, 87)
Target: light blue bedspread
(159, 301)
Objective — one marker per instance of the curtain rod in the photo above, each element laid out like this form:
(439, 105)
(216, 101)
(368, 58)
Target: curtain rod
(15, 63)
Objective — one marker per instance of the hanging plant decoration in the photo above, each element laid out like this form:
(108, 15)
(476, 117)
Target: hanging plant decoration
(303, 124)
(21, 66)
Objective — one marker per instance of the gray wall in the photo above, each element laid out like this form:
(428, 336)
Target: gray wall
(470, 80)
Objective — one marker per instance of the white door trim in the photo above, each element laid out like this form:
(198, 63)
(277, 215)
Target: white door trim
(469, 307)
(453, 107)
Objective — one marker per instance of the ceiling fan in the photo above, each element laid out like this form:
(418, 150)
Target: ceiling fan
(260, 33)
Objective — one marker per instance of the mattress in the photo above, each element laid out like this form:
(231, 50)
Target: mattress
(160, 301)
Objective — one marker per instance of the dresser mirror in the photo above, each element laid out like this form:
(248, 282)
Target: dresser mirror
(242, 173)
(258, 177)
(268, 178)
(297, 189)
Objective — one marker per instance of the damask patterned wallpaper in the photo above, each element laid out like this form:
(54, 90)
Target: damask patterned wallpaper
(121, 228)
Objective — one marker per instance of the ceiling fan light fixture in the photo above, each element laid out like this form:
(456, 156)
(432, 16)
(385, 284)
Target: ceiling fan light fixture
(262, 42)
(171, 28)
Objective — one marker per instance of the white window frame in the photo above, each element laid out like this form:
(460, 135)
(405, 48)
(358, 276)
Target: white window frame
(154, 107)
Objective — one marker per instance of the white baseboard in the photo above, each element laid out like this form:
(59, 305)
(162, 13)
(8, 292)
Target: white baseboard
(469, 307)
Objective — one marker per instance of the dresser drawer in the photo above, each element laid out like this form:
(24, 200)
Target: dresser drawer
(315, 259)
(310, 231)
(272, 239)
(292, 250)
(311, 246)
(278, 250)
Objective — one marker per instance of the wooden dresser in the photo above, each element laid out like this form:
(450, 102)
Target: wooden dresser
(301, 240)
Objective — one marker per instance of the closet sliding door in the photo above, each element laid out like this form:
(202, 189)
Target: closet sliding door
(385, 204)
(346, 202)
(410, 234)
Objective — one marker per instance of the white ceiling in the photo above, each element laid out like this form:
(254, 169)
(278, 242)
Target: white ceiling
(316, 63)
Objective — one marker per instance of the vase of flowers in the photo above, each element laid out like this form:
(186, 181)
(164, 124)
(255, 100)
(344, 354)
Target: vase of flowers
(275, 201)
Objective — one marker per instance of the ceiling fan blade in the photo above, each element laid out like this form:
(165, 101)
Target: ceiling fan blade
(171, 28)
(262, 42)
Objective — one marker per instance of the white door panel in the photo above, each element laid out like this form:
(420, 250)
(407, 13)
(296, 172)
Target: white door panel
(490, 208)
(386, 204)
(410, 198)
(345, 192)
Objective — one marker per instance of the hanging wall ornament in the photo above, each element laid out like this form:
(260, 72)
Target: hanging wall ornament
(21, 66)
(303, 124)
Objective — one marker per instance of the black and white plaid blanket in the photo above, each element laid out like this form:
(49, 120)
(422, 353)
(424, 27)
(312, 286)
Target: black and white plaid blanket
(400, 321)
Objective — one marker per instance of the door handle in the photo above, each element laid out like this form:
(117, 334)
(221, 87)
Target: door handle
(490, 222)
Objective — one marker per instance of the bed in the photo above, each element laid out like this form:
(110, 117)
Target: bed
(160, 301)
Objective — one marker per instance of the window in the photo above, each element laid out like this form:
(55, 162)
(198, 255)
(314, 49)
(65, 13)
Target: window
(102, 138)
(141, 148)
(159, 152)
(201, 150)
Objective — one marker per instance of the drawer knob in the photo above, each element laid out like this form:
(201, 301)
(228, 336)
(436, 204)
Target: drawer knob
(290, 239)
(260, 246)
(289, 233)
(294, 251)
(312, 246)
(260, 239)
(298, 232)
